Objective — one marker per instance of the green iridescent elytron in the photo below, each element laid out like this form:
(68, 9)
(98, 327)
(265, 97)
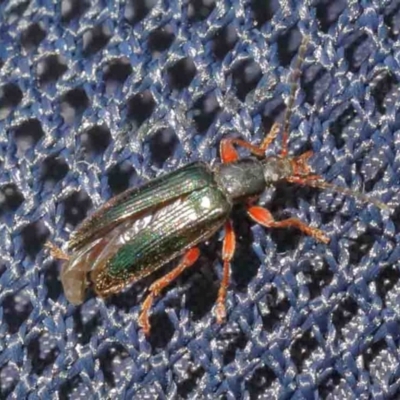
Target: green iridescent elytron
(172, 213)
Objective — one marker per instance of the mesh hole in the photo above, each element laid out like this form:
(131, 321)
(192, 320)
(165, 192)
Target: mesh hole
(113, 356)
(288, 196)
(232, 343)
(160, 39)
(52, 281)
(73, 104)
(328, 216)
(32, 36)
(95, 39)
(202, 286)
(315, 87)
(187, 386)
(16, 309)
(260, 381)
(51, 68)
(3, 269)
(361, 247)
(119, 177)
(386, 281)
(140, 107)
(344, 313)
(182, 73)
(10, 198)
(245, 76)
(28, 134)
(17, 11)
(162, 330)
(328, 385)
(370, 354)
(264, 10)
(243, 254)
(204, 111)
(34, 237)
(337, 127)
(285, 239)
(392, 18)
(288, 43)
(162, 146)
(42, 352)
(396, 219)
(71, 389)
(86, 325)
(272, 112)
(381, 89)
(328, 12)
(54, 168)
(117, 71)
(317, 276)
(9, 377)
(302, 349)
(76, 207)
(136, 10)
(96, 139)
(199, 10)
(371, 181)
(10, 97)
(73, 9)
(224, 41)
(277, 307)
(358, 51)
(126, 299)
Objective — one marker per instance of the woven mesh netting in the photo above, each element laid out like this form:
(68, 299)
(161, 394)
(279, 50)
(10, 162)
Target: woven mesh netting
(99, 96)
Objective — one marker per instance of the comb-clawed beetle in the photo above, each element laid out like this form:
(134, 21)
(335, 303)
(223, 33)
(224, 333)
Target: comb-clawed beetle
(140, 230)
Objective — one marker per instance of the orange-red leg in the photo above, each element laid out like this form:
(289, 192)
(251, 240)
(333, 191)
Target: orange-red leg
(263, 217)
(304, 180)
(285, 139)
(155, 289)
(56, 252)
(228, 250)
(229, 153)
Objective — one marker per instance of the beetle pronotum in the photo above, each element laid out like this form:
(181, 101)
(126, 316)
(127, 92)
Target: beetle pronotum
(140, 230)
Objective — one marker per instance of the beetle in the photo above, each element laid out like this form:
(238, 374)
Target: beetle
(142, 229)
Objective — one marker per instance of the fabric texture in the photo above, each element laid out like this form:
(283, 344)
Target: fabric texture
(99, 96)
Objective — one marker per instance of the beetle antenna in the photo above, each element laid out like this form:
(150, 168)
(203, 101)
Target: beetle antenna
(294, 84)
(348, 192)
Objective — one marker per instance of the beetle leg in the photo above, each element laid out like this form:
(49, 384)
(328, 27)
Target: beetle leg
(228, 249)
(263, 217)
(285, 139)
(304, 180)
(271, 136)
(229, 153)
(187, 261)
(56, 252)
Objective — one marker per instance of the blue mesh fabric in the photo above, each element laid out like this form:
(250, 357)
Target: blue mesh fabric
(97, 96)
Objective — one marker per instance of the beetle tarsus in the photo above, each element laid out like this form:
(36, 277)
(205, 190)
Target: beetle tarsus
(228, 250)
(220, 309)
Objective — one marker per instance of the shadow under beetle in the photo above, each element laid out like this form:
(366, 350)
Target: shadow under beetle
(140, 230)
